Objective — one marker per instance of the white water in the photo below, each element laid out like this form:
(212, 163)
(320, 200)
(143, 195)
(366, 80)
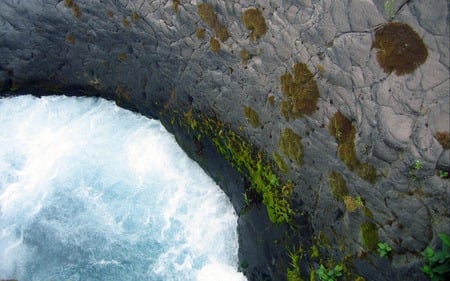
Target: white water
(89, 191)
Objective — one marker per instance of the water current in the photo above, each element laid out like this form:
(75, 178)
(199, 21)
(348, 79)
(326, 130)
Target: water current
(90, 191)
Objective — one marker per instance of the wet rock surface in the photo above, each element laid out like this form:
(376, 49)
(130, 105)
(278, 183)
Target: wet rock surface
(147, 56)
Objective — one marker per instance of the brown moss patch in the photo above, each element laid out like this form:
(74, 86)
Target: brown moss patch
(344, 131)
(443, 138)
(254, 21)
(300, 91)
(214, 45)
(245, 55)
(176, 4)
(76, 11)
(251, 116)
(135, 17)
(400, 48)
(208, 15)
(70, 39)
(200, 33)
(291, 145)
(125, 22)
(122, 57)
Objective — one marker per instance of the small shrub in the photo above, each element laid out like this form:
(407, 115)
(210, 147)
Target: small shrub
(254, 21)
(400, 48)
(384, 249)
(437, 263)
(330, 274)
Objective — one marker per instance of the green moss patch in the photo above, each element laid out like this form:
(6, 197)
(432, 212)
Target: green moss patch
(300, 91)
(400, 48)
(254, 21)
(344, 131)
(291, 145)
(252, 116)
(369, 235)
(208, 15)
(338, 185)
(247, 160)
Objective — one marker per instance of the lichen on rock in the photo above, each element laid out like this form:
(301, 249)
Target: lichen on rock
(208, 15)
(254, 21)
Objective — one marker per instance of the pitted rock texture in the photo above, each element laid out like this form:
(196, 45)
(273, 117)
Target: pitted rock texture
(148, 56)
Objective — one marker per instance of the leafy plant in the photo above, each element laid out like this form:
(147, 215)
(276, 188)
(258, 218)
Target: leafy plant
(330, 274)
(443, 174)
(384, 249)
(418, 165)
(437, 263)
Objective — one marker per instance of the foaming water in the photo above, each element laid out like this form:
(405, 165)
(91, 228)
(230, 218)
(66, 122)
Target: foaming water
(89, 191)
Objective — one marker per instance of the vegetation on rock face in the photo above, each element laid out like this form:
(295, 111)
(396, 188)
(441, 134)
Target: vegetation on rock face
(252, 116)
(437, 263)
(344, 132)
(214, 45)
(254, 21)
(443, 138)
(291, 145)
(300, 91)
(400, 48)
(208, 15)
(200, 32)
(76, 11)
(338, 185)
(369, 235)
(248, 161)
(384, 249)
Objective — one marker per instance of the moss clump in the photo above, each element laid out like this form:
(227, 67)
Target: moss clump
(338, 185)
(300, 91)
(214, 45)
(135, 17)
(280, 163)
(125, 22)
(254, 21)
(443, 138)
(176, 4)
(344, 131)
(291, 145)
(350, 203)
(400, 48)
(208, 15)
(369, 235)
(252, 116)
(122, 57)
(76, 11)
(200, 32)
(71, 39)
(245, 55)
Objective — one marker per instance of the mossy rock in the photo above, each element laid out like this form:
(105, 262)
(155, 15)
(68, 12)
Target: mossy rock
(291, 145)
(214, 45)
(208, 15)
(280, 163)
(254, 21)
(369, 235)
(344, 131)
(200, 33)
(252, 116)
(338, 185)
(443, 138)
(300, 91)
(400, 48)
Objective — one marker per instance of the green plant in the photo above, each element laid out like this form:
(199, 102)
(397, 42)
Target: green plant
(330, 274)
(293, 271)
(437, 263)
(359, 201)
(384, 249)
(443, 174)
(418, 165)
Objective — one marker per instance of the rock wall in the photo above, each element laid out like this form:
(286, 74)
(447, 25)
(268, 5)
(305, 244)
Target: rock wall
(372, 116)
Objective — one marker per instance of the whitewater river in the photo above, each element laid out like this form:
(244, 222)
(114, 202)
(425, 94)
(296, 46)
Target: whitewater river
(89, 191)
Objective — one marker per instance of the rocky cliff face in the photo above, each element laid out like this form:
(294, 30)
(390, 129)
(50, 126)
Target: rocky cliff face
(349, 101)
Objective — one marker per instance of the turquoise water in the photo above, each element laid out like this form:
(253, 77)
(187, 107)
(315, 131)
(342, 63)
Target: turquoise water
(89, 191)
